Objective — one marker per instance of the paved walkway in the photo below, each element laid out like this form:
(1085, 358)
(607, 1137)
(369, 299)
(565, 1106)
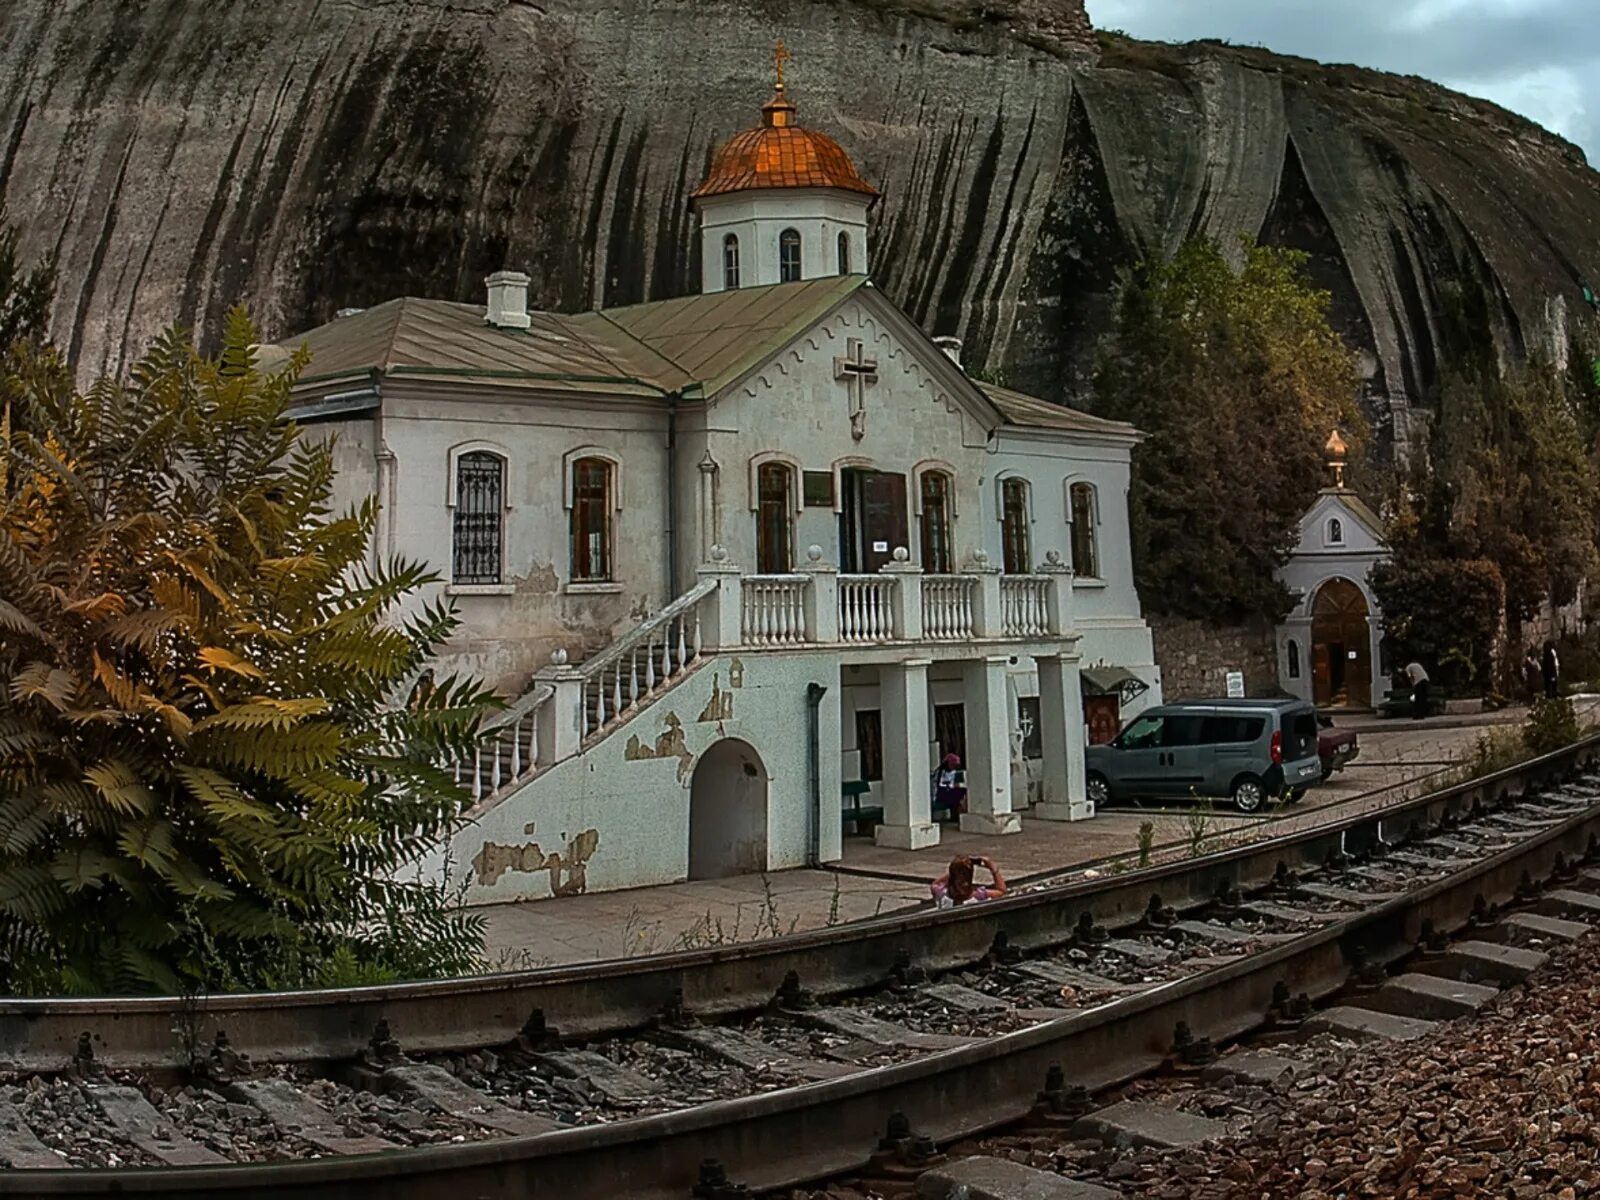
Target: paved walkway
(1399, 759)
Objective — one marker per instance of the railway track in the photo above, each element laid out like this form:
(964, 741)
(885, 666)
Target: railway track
(782, 1060)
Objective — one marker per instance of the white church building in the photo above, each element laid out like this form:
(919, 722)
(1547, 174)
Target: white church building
(740, 558)
(1330, 645)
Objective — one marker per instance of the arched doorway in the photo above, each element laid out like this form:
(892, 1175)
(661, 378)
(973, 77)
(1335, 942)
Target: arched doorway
(1341, 646)
(728, 812)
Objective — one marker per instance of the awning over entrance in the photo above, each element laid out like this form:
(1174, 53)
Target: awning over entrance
(1113, 681)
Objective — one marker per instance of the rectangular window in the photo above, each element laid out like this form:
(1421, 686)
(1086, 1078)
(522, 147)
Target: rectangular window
(1028, 725)
(730, 262)
(936, 523)
(1083, 541)
(869, 741)
(591, 520)
(774, 527)
(480, 508)
(1014, 527)
(819, 489)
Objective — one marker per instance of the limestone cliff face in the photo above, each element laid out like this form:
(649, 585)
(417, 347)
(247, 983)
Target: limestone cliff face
(308, 155)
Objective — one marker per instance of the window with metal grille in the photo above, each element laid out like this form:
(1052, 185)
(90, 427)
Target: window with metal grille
(591, 520)
(1085, 559)
(730, 261)
(1014, 526)
(480, 510)
(844, 254)
(774, 526)
(789, 256)
(936, 523)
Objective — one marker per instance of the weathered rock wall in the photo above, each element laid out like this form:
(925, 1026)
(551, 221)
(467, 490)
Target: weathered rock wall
(1196, 657)
(307, 155)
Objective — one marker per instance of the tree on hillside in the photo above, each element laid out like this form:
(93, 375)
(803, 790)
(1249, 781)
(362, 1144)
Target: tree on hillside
(213, 759)
(1237, 378)
(25, 298)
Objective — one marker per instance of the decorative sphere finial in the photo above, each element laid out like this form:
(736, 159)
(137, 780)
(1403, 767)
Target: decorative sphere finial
(814, 552)
(558, 656)
(901, 554)
(981, 557)
(1053, 557)
(719, 554)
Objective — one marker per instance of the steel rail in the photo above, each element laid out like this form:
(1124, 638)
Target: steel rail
(592, 999)
(816, 1130)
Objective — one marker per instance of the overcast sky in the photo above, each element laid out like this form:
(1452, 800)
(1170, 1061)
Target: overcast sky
(1538, 57)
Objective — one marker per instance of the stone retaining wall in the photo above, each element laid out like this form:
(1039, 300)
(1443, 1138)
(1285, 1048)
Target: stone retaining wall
(1195, 657)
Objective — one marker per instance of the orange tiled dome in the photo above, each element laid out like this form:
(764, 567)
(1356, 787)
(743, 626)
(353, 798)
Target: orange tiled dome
(779, 154)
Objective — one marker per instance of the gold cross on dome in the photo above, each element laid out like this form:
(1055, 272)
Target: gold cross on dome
(780, 55)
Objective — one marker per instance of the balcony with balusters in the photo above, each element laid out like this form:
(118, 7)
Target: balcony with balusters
(820, 607)
(897, 611)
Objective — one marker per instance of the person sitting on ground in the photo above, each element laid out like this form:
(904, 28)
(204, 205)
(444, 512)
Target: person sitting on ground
(956, 886)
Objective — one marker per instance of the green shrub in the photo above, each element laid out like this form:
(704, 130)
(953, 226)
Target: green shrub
(1551, 726)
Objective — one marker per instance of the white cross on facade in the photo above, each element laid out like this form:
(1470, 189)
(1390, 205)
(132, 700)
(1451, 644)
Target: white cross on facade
(857, 372)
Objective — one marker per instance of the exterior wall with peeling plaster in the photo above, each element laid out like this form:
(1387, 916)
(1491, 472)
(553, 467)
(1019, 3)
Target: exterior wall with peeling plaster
(508, 632)
(618, 815)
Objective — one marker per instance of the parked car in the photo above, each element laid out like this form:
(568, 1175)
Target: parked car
(1246, 751)
(1337, 748)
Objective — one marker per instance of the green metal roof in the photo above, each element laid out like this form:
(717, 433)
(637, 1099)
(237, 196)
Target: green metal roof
(695, 343)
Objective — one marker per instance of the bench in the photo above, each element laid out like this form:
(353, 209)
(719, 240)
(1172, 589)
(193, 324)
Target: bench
(1397, 702)
(851, 811)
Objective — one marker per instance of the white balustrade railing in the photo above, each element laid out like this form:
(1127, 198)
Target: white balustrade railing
(866, 608)
(508, 752)
(1025, 605)
(642, 661)
(773, 610)
(948, 604)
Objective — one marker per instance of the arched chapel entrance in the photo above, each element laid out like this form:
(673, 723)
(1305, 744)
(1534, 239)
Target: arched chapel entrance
(1341, 646)
(728, 812)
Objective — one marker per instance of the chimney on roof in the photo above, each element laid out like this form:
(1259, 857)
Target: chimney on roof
(951, 347)
(508, 300)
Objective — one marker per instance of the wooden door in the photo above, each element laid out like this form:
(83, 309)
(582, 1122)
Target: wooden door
(1321, 674)
(874, 520)
(950, 730)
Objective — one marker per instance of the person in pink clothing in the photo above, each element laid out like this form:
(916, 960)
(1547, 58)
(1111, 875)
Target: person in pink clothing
(957, 886)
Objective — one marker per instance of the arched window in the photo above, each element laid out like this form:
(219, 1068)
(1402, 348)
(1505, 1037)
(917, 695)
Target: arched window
(1014, 548)
(1335, 532)
(1294, 659)
(774, 518)
(936, 553)
(591, 520)
(844, 254)
(730, 261)
(1085, 553)
(789, 256)
(478, 537)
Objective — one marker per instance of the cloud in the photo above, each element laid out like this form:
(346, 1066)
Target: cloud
(1532, 56)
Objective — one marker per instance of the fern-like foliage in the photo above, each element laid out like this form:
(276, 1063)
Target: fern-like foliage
(212, 766)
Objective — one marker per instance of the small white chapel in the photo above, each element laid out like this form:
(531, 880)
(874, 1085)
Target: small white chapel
(1330, 647)
(749, 563)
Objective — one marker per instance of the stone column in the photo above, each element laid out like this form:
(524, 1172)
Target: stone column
(559, 724)
(907, 774)
(988, 765)
(722, 621)
(987, 619)
(1062, 737)
(822, 598)
(1058, 600)
(906, 602)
